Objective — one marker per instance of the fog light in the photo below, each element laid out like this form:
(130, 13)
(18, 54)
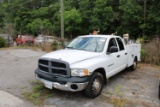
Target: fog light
(74, 87)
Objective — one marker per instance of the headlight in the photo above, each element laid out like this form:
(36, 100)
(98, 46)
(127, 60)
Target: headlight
(79, 72)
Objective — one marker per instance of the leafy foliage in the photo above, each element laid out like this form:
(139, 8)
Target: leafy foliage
(73, 19)
(81, 17)
(2, 42)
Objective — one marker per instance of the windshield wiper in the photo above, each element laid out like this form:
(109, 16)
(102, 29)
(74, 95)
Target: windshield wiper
(97, 46)
(70, 47)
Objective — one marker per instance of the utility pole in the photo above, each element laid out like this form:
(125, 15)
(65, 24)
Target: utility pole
(62, 18)
(145, 2)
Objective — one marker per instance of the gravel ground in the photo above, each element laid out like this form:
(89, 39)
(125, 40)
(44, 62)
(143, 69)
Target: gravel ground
(133, 89)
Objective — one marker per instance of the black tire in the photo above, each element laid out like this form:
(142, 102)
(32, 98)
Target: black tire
(95, 85)
(134, 66)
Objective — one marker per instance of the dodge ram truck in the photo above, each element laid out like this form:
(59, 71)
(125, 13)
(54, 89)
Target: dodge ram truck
(86, 63)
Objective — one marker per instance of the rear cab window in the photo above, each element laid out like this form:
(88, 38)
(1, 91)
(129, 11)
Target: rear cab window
(120, 44)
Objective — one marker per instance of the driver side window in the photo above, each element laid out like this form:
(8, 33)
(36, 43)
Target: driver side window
(112, 42)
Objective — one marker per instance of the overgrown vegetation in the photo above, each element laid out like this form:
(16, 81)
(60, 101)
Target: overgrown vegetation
(54, 45)
(3, 42)
(116, 99)
(46, 47)
(51, 47)
(39, 93)
(150, 52)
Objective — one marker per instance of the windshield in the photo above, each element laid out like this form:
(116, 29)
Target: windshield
(94, 44)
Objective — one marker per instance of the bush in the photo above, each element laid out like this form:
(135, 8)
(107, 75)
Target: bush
(54, 45)
(143, 55)
(46, 47)
(150, 52)
(2, 42)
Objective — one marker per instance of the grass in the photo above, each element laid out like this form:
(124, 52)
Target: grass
(35, 48)
(39, 93)
(22, 47)
(116, 99)
(45, 48)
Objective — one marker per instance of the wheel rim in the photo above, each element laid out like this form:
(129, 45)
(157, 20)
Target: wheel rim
(135, 64)
(96, 85)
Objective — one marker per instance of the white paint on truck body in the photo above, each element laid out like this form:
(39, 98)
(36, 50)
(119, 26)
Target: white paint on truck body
(112, 63)
(133, 50)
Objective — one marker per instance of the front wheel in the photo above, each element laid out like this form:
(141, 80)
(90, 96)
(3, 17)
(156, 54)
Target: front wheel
(95, 85)
(134, 66)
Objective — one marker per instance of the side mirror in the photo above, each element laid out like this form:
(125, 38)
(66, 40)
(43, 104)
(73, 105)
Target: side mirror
(113, 49)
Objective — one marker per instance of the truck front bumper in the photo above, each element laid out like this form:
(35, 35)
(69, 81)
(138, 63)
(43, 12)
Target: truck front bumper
(72, 84)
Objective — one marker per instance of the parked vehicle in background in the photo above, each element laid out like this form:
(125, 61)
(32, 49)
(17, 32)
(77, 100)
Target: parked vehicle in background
(87, 63)
(9, 39)
(24, 40)
(46, 40)
(39, 40)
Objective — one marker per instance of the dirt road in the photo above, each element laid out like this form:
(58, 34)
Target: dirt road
(131, 89)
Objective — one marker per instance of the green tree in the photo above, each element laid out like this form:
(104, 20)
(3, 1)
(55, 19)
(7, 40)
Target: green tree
(47, 27)
(82, 16)
(40, 26)
(131, 18)
(154, 19)
(86, 11)
(36, 26)
(72, 22)
(103, 16)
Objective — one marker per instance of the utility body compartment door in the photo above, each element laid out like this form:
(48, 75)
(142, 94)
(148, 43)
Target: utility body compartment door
(133, 50)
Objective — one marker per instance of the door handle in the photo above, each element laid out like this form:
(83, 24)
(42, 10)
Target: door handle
(126, 53)
(118, 56)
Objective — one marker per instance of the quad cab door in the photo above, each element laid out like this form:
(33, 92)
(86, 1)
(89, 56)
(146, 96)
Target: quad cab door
(112, 63)
(122, 55)
(117, 61)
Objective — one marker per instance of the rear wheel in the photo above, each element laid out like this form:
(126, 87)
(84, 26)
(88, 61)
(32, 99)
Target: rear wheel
(134, 66)
(95, 85)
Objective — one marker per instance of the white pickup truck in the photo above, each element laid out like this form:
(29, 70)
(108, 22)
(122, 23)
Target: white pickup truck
(86, 63)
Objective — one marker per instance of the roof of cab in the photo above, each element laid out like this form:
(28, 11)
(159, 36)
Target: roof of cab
(104, 36)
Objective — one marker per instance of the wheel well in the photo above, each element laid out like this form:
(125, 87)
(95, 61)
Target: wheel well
(102, 71)
(136, 59)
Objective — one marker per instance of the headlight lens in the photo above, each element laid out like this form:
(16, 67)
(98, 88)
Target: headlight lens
(79, 72)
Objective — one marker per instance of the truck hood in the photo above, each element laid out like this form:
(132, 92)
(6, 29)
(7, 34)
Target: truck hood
(71, 56)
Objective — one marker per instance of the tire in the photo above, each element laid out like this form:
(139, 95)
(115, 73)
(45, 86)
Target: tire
(95, 85)
(134, 66)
